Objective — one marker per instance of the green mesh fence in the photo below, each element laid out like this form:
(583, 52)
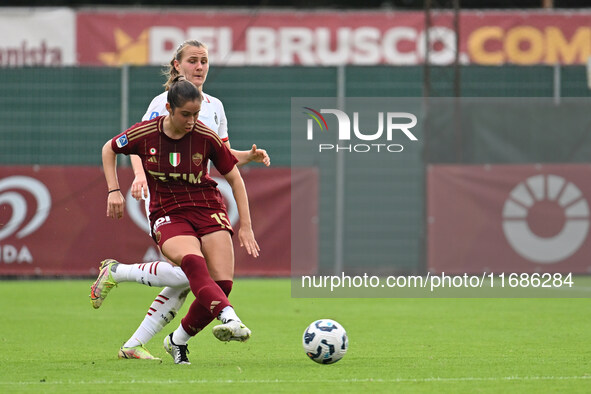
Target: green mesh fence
(63, 116)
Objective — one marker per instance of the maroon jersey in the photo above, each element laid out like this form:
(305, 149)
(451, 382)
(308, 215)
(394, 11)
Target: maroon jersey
(176, 170)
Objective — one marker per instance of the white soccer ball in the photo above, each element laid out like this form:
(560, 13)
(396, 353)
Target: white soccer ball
(325, 341)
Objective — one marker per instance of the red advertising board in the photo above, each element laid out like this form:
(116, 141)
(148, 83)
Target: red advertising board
(53, 221)
(310, 38)
(509, 218)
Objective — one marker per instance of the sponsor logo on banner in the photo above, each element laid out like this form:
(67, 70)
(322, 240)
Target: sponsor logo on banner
(372, 141)
(520, 218)
(333, 38)
(128, 50)
(53, 222)
(13, 193)
(31, 54)
(562, 214)
(37, 37)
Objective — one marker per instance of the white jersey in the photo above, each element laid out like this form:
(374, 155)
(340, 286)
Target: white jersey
(212, 113)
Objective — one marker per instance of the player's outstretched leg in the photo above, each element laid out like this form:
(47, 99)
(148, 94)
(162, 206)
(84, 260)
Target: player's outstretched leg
(156, 273)
(178, 352)
(161, 312)
(136, 352)
(103, 284)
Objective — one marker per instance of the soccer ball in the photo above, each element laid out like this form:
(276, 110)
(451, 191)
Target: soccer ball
(325, 341)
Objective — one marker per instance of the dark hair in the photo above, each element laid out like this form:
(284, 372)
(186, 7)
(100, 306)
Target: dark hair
(171, 73)
(181, 90)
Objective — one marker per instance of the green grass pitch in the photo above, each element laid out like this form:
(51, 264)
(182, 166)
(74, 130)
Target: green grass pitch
(51, 340)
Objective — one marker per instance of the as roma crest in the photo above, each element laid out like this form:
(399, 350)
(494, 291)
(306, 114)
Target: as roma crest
(197, 159)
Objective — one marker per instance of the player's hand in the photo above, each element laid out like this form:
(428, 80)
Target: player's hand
(115, 205)
(246, 237)
(139, 187)
(259, 156)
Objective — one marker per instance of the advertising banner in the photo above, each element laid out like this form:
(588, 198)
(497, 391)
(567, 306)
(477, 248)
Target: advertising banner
(328, 38)
(37, 37)
(509, 218)
(53, 222)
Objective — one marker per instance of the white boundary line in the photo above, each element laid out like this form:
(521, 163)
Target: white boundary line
(366, 380)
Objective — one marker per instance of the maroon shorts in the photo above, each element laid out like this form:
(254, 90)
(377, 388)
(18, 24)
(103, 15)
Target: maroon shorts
(195, 221)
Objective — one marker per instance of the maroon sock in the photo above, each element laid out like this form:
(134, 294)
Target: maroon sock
(197, 318)
(206, 291)
(225, 285)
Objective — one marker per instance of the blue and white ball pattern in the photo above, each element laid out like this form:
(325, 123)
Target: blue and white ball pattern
(325, 341)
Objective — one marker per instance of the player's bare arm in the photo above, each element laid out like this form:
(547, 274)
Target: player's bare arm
(115, 199)
(245, 233)
(246, 156)
(139, 187)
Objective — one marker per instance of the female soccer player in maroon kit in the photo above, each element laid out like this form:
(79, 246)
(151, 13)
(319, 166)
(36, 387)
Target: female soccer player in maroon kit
(186, 206)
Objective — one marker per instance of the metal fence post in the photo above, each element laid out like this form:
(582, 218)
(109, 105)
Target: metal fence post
(340, 183)
(556, 84)
(125, 106)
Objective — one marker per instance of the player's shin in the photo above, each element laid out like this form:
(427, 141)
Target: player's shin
(206, 291)
(163, 309)
(198, 317)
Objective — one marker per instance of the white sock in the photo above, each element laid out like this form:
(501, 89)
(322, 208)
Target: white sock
(161, 312)
(227, 314)
(157, 273)
(180, 336)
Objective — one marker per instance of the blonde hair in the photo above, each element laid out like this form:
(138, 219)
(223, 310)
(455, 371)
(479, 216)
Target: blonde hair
(171, 72)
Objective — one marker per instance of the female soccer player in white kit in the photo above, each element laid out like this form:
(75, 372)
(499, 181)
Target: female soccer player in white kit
(190, 60)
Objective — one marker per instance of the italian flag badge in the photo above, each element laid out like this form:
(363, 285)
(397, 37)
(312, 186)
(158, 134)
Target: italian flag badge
(175, 158)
